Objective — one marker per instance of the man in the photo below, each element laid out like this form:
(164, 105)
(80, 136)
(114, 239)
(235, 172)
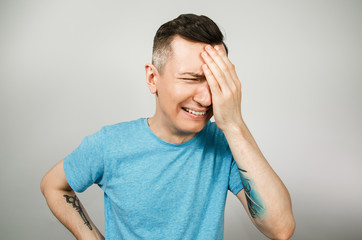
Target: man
(167, 177)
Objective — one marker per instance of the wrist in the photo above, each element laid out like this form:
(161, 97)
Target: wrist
(235, 128)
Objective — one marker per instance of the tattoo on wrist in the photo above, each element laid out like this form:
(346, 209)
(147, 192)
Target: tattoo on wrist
(76, 204)
(253, 200)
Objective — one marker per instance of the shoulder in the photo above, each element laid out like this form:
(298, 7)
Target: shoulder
(123, 127)
(115, 135)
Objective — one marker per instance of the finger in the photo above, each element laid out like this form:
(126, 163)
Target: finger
(213, 84)
(222, 66)
(219, 76)
(219, 60)
(230, 65)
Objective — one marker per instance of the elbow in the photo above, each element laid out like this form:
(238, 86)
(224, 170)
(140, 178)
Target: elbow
(280, 227)
(285, 231)
(285, 235)
(54, 181)
(46, 183)
(43, 185)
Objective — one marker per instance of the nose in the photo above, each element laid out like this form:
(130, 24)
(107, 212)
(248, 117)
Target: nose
(203, 94)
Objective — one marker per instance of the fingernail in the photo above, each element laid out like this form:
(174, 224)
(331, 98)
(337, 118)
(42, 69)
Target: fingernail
(208, 47)
(204, 54)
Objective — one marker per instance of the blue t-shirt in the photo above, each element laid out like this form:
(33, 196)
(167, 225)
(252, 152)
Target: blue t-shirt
(154, 189)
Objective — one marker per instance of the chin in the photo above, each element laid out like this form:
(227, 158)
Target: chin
(193, 127)
(189, 124)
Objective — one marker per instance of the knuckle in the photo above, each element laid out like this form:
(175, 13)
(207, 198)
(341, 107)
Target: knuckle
(234, 90)
(228, 95)
(213, 84)
(224, 68)
(220, 75)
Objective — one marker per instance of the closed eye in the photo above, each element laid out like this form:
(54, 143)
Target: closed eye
(190, 79)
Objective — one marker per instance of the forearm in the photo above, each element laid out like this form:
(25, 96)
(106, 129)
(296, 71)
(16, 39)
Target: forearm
(267, 198)
(67, 208)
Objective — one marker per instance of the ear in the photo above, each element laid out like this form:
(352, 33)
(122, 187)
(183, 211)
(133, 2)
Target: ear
(151, 78)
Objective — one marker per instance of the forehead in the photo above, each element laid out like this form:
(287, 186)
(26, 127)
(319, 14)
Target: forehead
(186, 55)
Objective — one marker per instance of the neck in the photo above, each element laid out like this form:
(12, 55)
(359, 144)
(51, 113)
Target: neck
(168, 135)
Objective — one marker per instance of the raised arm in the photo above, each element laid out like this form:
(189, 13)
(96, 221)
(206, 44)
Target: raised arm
(264, 195)
(65, 205)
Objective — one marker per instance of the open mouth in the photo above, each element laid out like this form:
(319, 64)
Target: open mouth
(197, 113)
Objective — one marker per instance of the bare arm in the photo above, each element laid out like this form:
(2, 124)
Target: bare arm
(264, 195)
(65, 205)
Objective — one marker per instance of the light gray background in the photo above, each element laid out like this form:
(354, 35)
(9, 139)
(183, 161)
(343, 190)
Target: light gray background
(69, 67)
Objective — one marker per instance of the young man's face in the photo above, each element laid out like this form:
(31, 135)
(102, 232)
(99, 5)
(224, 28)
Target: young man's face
(184, 103)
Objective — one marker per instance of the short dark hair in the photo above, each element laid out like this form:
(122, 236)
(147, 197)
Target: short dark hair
(196, 28)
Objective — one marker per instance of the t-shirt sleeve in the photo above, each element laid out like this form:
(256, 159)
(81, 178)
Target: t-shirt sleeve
(235, 184)
(85, 165)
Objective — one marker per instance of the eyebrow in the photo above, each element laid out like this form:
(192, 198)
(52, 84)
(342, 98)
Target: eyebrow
(196, 75)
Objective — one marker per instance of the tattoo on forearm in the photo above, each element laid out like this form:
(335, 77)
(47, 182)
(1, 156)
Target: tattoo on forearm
(252, 198)
(75, 203)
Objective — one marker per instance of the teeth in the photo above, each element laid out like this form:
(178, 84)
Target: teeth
(194, 112)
